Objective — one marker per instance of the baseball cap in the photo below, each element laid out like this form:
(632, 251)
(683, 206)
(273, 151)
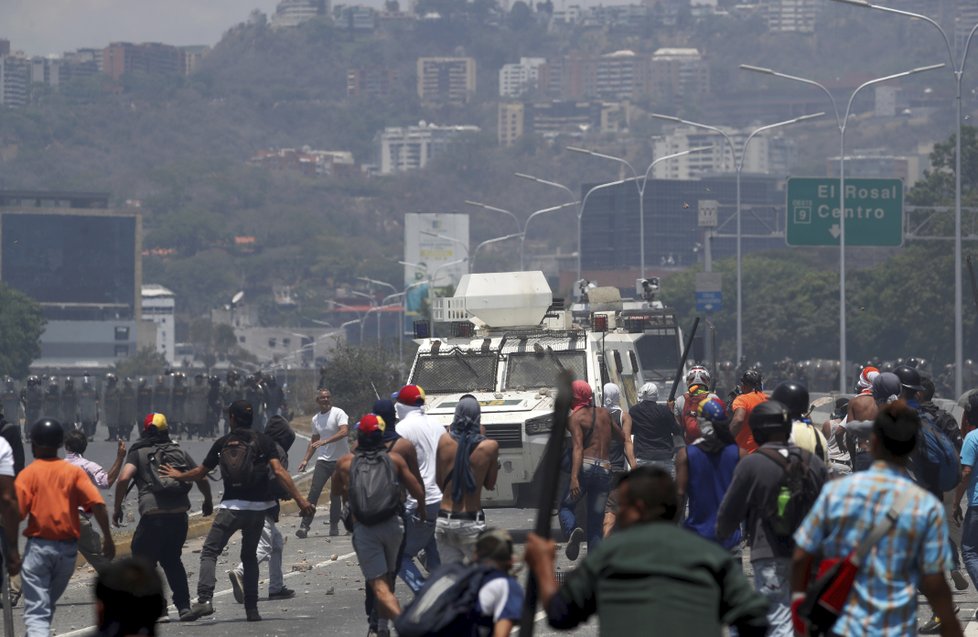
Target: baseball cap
(411, 395)
(155, 419)
(370, 430)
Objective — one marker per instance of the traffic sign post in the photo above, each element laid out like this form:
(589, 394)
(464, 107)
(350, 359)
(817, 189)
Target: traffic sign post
(874, 212)
(709, 295)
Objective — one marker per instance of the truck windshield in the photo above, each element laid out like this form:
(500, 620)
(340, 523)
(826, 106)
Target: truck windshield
(658, 355)
(455, 372)
(534, 371)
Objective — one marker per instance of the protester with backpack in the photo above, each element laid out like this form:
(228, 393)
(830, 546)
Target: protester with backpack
(687, 407)
(369, 482)
(90, 542)
(272, 543)
(475, 599)
(163, 504)
(912, 554)
(245, 457)
(772, 490)
(804, 433)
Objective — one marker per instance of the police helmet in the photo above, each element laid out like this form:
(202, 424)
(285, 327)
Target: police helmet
(752, 378)
(909, 378)
(771, 416)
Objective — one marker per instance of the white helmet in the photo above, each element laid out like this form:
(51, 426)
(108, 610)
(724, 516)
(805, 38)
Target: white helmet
(698, 375)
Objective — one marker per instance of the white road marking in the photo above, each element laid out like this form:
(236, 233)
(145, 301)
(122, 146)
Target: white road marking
(971, 630)
(323, 564)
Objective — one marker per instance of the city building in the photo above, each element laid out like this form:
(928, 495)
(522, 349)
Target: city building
(305, 160)
(510, 122)
(192, 56)
(356, 18)
(446, 79)
(679, 76)
(292, 13)
(15, 81)
(612, 76)
(46, 70)
(409, 148)
(516, 80)
(878, 164)
(558, 117)
(120, 58)
(375, 81)
(766, 155)
(4, 47)
(158, 307)
(82, 263)
(790, 16)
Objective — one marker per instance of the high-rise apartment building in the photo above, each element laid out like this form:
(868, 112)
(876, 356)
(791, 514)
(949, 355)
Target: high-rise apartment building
(292, 13)
(412, 147)
(516, 80)
(679, 75)
(376, 81)
(446, 79)
(767, 155)
(791, 16)
(120, 58)
(15, 81)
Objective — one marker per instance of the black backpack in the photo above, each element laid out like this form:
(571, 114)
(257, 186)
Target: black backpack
(446, 606)
(242, 463)
(153, 457)
(375, 494)
(793, 497)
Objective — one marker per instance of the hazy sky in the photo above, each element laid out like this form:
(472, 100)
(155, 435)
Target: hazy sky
(41, 27)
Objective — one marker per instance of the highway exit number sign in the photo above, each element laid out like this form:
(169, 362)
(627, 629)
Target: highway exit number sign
(874, 212)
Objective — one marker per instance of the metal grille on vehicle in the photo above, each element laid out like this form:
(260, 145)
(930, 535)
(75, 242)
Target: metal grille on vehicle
(508, 435)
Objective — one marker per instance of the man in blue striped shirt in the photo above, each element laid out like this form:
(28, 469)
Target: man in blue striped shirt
(914, 554)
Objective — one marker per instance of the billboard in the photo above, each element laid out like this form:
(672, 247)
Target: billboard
(433, 242)
(72, 258)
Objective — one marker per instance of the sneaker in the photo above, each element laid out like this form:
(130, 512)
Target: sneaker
(252, 615)
(383, 632)
(301, 533)
(237, 586)
(933, 627)
(183, 612)
(285, 593)
(573, 548)
(960, 583)
(198, 610)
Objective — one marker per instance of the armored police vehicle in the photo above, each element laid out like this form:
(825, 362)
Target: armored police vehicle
(506, 339)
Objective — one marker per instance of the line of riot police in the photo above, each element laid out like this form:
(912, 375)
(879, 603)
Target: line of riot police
(193, 408)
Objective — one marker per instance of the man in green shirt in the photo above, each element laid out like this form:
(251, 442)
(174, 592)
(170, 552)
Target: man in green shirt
(650, 572)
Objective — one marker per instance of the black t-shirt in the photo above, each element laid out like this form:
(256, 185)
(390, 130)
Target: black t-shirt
(267, 450)
(653, 426)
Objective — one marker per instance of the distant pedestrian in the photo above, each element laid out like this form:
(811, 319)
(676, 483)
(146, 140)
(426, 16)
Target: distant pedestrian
(912, 556)
(650, 576)
(330, 441)
(370, 480)
(49, 492)
(751, 395)
(128, 599)
(591, 433)
(245, 457)
(163, 505)
(763, 485)
(416, 428)
(467, 463)
(90, 542)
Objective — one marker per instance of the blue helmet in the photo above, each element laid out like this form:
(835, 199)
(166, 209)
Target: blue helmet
(714, 411)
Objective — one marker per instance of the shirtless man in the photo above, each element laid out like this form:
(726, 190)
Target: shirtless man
(590, 470)
(467, 462)
(863, 406)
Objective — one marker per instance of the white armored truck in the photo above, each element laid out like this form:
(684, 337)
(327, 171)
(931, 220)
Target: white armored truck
(505, 340)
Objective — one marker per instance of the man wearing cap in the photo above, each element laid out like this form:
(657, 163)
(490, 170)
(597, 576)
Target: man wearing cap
(243, 507)
(414, 426)
(377, 545)
(163, 520)
(330, 431)
(756, 483)
(912, 555)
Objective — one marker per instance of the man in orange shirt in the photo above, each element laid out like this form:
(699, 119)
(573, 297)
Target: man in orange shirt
(50, 492)
(750, 396)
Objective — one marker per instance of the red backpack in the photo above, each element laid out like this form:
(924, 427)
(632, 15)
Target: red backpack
(691, 411)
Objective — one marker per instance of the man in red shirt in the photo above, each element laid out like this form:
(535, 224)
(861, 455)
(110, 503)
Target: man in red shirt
(751, 395)
(50, 491)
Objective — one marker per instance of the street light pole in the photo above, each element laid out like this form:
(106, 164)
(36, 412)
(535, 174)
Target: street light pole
(521, 230)
(486, 206)
(958, 69)
(640, 187)
(841, 121)
(535, 213)
(475, 252)
(739, 167)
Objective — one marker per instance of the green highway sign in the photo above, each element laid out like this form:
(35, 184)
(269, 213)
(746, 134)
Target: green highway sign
(874, 212)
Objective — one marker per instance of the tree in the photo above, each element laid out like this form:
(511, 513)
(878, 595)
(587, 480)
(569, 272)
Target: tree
(937, 186)
(21, 326)
(520, 16)
(146, 362)
(352, 373)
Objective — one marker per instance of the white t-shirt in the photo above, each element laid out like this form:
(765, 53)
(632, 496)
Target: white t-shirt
(6, 459)
(326, 426)
(415, 427)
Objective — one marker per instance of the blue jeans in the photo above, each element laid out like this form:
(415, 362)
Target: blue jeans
(419, 535)
(595, 483)
(772, 580)
(969, 543)
(47, 567)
